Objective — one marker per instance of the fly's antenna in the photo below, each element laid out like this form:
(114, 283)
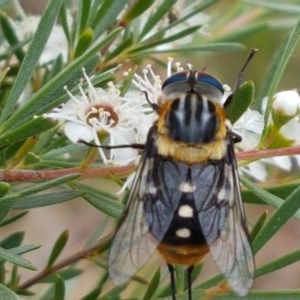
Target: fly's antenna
(241, 72)
(240, 76)
(108, 147)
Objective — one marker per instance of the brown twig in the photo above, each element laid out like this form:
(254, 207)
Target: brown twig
(37, 175)
(258, 154)
(86, 253)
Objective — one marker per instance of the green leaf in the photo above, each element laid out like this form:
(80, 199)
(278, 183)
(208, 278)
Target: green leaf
(277, 68)
(13, 240)
(84, 42)
(4, 188)
(278, 263)
(127, 82)
(32, 56)
(9, 255)
(7, 294)
(263, 295)
(63, 17)
(84, 7)
(277, 220)
(13, 218)
(154, 283)
(65, 274)
(27, 129)
(281, 191)
(93, 294)
(241, 101)
(107, 15)
(206, 47)
(258, 225)
(40, 200)
(7, 202)
(58, 248)
(52, 93)
(277, 6)
(156, 17)
(60, 288)
(264, 195)
(11, 37)
(122, 46)
(168, 39)
(136, 10)
(105, 202)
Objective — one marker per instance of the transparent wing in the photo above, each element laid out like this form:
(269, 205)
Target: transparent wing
(146, 217)
(223, 222)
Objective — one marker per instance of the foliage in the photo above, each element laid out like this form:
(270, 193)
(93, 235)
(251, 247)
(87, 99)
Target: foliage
(40, 167)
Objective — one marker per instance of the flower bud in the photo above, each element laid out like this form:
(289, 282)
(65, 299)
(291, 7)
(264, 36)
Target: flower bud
(285, 107)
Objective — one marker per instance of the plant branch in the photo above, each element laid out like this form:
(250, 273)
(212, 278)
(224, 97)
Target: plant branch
(258, 154)
(95, 249)
(36, 175)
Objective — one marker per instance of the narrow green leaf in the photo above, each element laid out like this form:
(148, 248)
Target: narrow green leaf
(281, 191)
(263, 295)
(207, 47)
(13, 240)
(264, 195)
(102, 201)
(122, 46)
(93, 294)
(241, 101)
(65, 274)
(156, 17)
(32, 56)
(60, 288)
(7, 294)
(154, 283)
(127, 82)
(84, 42)
(277, 67)
(40, 200)
(277, 220)
(11, 37)
(52, 93)
(278, 263)
(277, 6)
(169, 39)
(58, 248)
(7, 202)
(174, 23)
(8, 255)
(13, 218)
(84, 7)
(137, 9)
(258, 225)
(107, 15)
(17, 251)
(63, 17)
(4, 188)
(28, 129)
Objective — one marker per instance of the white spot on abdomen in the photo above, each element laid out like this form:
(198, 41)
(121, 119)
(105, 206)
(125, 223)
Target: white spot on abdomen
(183, 233)
(186, 187)
(185, 211)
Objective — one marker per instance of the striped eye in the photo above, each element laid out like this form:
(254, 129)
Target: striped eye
(192, 81)
(204, 78)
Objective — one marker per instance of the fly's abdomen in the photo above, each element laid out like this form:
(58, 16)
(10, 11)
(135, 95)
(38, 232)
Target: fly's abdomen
(192, 120)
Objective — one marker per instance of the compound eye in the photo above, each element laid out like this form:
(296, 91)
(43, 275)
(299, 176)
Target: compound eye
(206, 79)
(175, 80)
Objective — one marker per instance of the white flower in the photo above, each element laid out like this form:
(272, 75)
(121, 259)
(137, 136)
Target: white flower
(98, 112)
(249, 126)
(286, 103)
(57, 42)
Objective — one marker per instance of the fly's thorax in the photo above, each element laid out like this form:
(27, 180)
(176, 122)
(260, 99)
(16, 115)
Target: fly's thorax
(191, 128)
